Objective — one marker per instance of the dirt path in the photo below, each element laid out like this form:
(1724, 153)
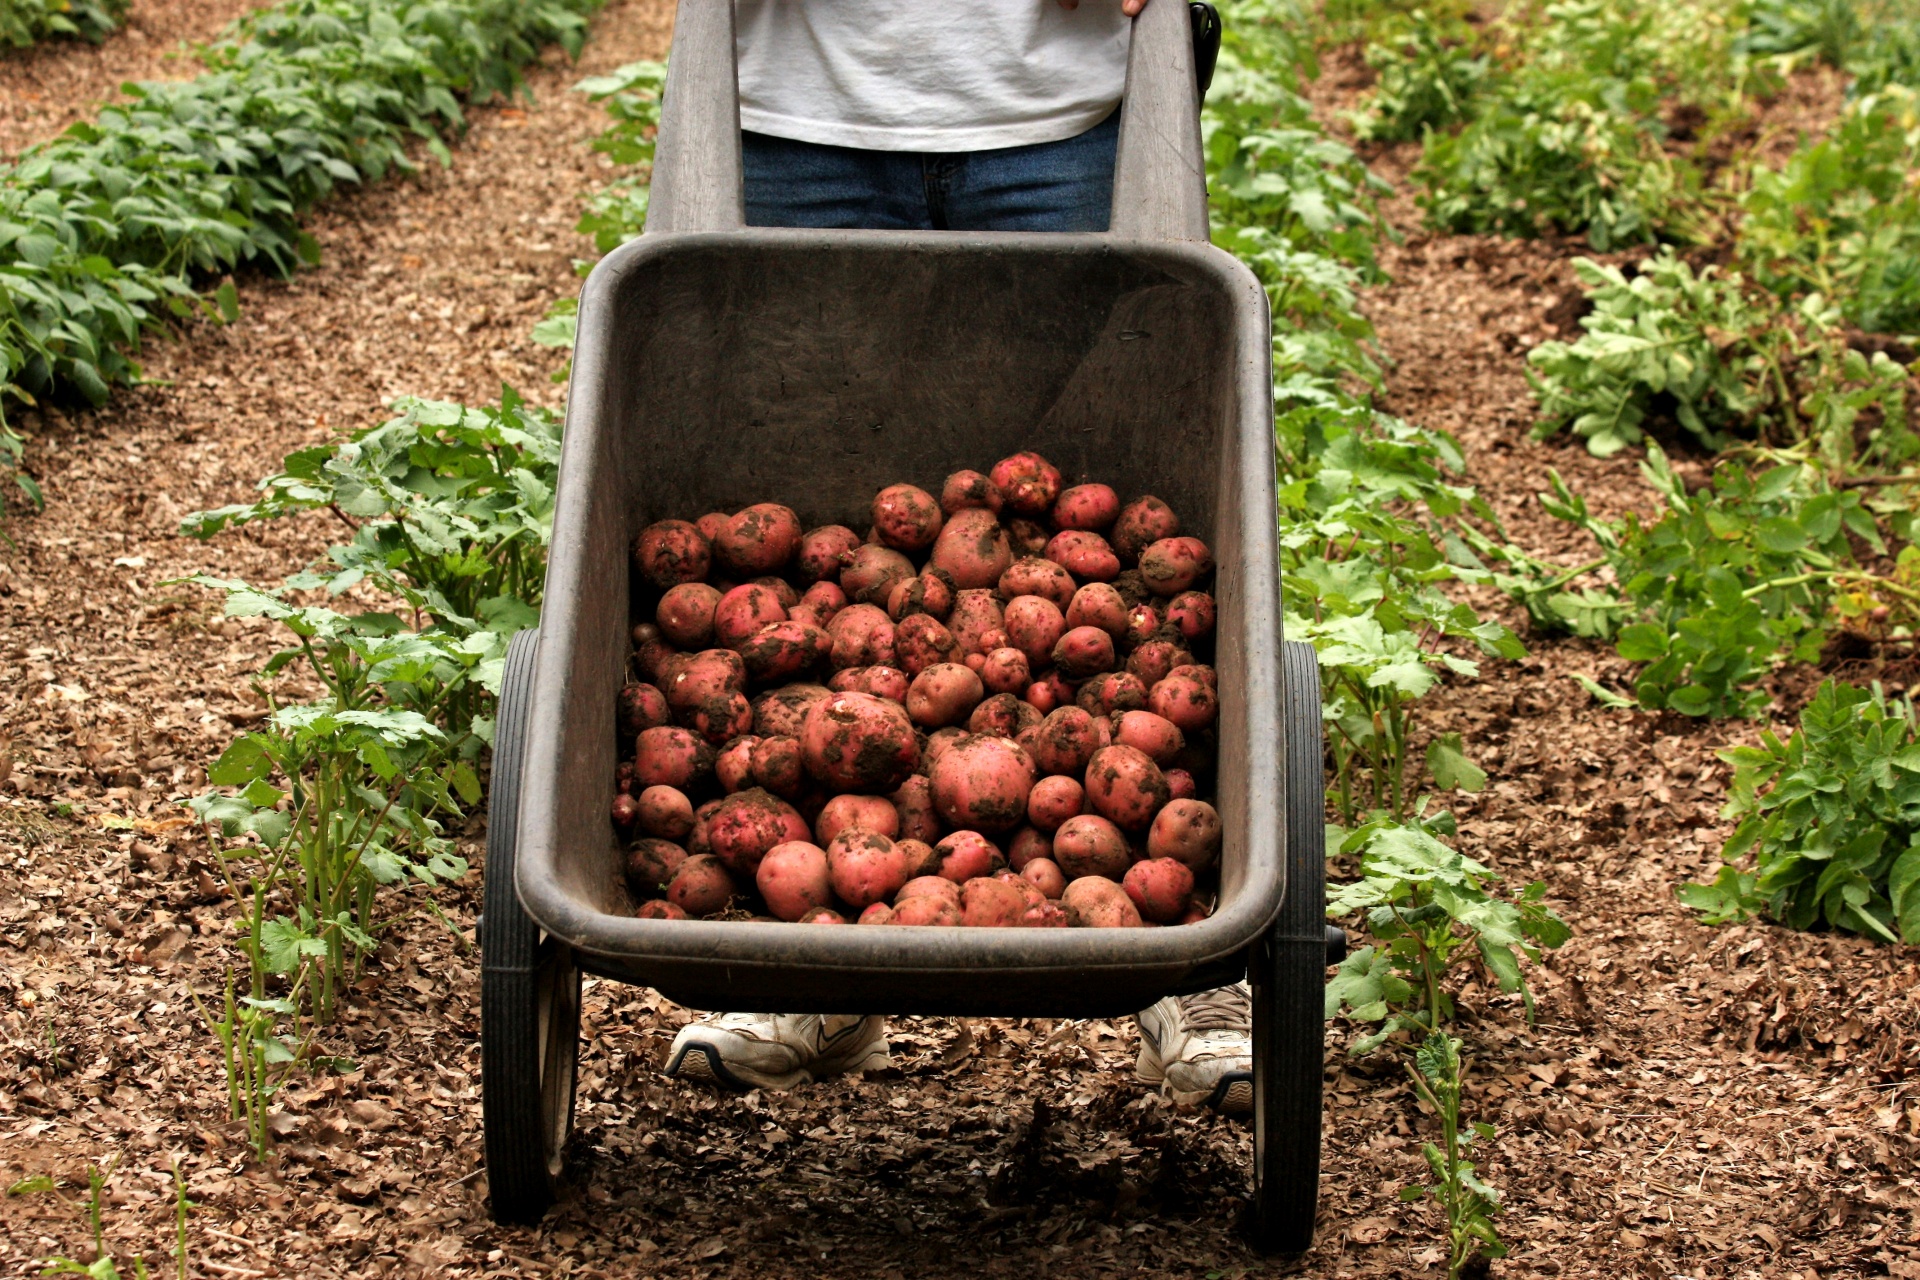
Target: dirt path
(56, 82)
(1690, 1101)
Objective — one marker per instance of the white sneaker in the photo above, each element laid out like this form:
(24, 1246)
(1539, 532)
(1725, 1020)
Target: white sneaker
(776, 1051)
(1199, 1048)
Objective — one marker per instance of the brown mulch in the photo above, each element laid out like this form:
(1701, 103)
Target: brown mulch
(45, 88)
(1690, 1101)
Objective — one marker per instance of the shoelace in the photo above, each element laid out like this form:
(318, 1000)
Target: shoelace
(1221, 1009)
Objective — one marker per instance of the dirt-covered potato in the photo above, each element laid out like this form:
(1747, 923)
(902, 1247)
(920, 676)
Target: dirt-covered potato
(1187, 831)
(1084, 554)
(1160, 889)
(865, 867)
(1086, 506)
(793, 879)
(1111, 692)
(664, 813)
(1174, 565)
(965, 489)
(685, 614)
(1141, 523)
(1006, 670)
(973, 549)
(1186, 700)
(1045, 875)
(1029, 483)
(890, 683)
(777, 765)
(1099, 604)
(1193, 613)
(966, 854)
(1157, 736)
(780, 651)
(929, 887)
(1053, 800)
(1003, 716)
(878, 913)
(1095, 902)
(862, 813)
(642, 707)
(744, 610)
(857, 742)
(925, 910)
(1083, 652)
(673, 757)
(1154, 660)
(989, 903)
(659, 909)
(920, 640)
(1026, 845)
(701, 886)
(651, 866)
(862, 636)
(1124, 785)
(779, 713)
(1035, 576)
(734, 763)
(943, 694)
(982, 783)
(761, 539)
(747, 824)
(671, 552)
(1034, 625)
(1064, 742)
(906, 518)
(975, 619)
(824, 552)
(870, 576)
(1089, 845)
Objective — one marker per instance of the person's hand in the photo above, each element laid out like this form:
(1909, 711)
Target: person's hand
(1131, 8)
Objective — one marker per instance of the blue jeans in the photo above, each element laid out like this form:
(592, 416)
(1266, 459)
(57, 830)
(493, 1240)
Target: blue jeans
(1050, 186)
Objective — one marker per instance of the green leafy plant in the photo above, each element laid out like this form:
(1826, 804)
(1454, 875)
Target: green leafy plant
(1829, 821)
(1428, 76)
(104, 1265)
(256, 1058)
(24, 22)
(1468, 1203)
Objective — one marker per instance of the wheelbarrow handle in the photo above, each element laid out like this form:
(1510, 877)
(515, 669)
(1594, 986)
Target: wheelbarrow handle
(1159, 180)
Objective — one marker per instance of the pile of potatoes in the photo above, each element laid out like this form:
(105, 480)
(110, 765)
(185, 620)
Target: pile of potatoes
(1015, 725)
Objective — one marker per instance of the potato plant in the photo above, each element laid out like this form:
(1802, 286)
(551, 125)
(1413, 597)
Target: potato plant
(25, 22)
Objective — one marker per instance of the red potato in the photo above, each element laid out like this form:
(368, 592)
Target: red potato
(982, 783)
(1194, 613)
(623, 778)
(1053, 800)
(1082, 652)
(862, 636)
(1157, 736)
(1160, 889)
(973, 549)
(1048, 915)
(1045, 875)
(761, 539)
(987, 903)
(1086, 506)
(965, 489)
(890, 683)
(877, 913)
(1029, 483)
(866, 867)
(781, 588)
(697, 842)
(871, 575)
(1089, 845)
(931, 593)
(672, 757)
(1049, 693)
(826, 915)
(921, 859)
(1064, 742)
(1141, 523)
(920, 641)
(1003, 716)
(734, 765)
(824, 552)
(660, 909)
(777, 765)
(943, 694)
(857, 742)
(712, 523)
(793, 879)
(906, 518)
(936, 745)
(701, 886)
(856, 813)
(1029, 895)
(1084, 554)
(651, 658)
(1034, 625)
(1125, 786)
(685, 614)
(1186, 700)
(1143, 621)
(694, 679)
(1026, 845)
(1110, 692)
(1133, 589)
(743, 611)
(721, 719)
(1026, 538)
(1006, 670)
(747, 824)
(913, 807)
(927, 911)
(1186, 831)
(1155, 660)
(1095, 902)
(825, 598)
(642, 707)
(1200, 671)
(1033, 576)
(938, 887)
(1180, 785)
(1172, 566)
(780, 651)
(966, 854)
(672, 552)
(780, 713)
(975, 618)
(643, 632)
(1098, 605)
(626, 811)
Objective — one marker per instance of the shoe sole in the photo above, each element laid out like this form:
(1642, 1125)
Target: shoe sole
(704, 1062)
(1231, 1095)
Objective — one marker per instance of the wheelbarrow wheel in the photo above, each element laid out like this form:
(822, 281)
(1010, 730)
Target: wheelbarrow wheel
(529, 992)
(1288, 974)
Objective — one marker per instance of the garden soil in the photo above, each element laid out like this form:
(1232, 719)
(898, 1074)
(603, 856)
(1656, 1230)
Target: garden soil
(1687, 1101)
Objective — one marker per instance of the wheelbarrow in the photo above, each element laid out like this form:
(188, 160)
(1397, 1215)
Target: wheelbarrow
(720, 365)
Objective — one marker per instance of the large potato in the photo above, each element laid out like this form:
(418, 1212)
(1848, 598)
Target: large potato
(1126, 786)
(857, 742)
(982, 783)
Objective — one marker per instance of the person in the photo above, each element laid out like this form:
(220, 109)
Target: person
(996, 115)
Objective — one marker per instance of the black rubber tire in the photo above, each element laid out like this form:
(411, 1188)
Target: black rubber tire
(529, 992)
(1288, 974)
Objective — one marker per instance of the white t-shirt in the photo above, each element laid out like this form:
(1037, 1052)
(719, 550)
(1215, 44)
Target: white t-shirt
(929, 75)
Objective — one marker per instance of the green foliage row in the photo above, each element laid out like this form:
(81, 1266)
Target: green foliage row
(25, 22)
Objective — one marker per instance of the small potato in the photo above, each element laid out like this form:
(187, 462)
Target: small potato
(966, 854)
(1185, 700)
(890, 683)
(697, 842)
(1199, 671)
(1095, 902)
(671, 552)
(975, 618)
(1180, 785)
(1186, 831)
(965, 489)
(906, 518)
(1029, 895)
(1160, 889)
(1141, 523)
(685, 614)
(972, 548)
(913, 807)
(1026, 537)
(920, 641)
(1053, 800)
(1082, 652)
(1155, 660)
(701, 886)
(857, 742)
(929, 887)
(747, 824)
(1098, 604)
(642, 707)
(1003, 716)
(1125, 786)
(1064, 742)
(877, 913)
(1049, 693)
(1111, 692)
(865, 867)
(793, 879)
(987, 903)
(1089, 845)
(931, 593)
(921, 859)
(943, 694)
(1034, 576)
(623, 778)
(1048, 915)
(743, 611)
(1006, 671)
(827, 915)
(721, 719)
(734, 764)
(1084, 554)
(1194, 613)
(1160, 738)
(927, 911)
(779, 713)
(1026, 845)
(660, 909)
(1086, 506)
(870, 576)
(625, 811)
(699, 678)
(779, 651)
(1173, 565)
(651, 865)
(824, 552)
(672, 757)
(856, 813)
(1045, 875)
(712, 523)
(1029, 483)
(1143, 623)
(862, 636)
(761, 539)
(982, 783)
(1034, 625)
